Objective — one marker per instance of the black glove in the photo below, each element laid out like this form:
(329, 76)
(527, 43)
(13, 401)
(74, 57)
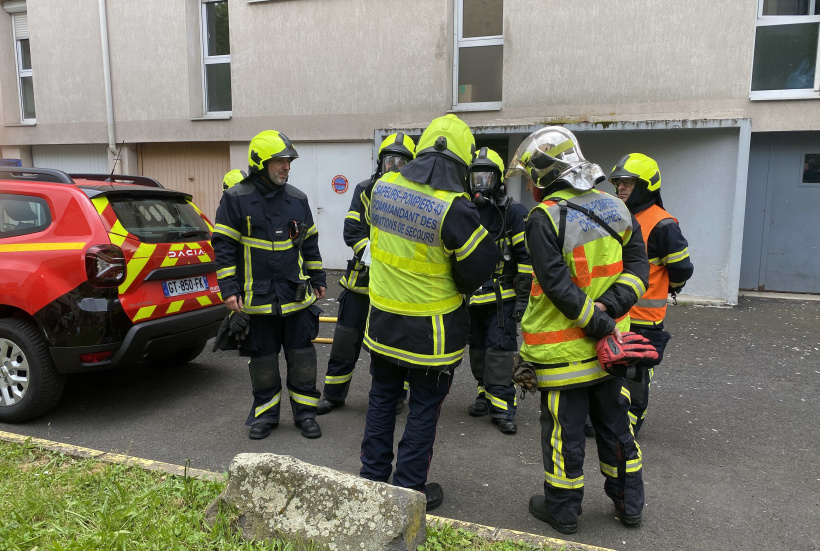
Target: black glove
(523, 286)
(240, 325)
(224, 338)
(675, 290)
(524, 375)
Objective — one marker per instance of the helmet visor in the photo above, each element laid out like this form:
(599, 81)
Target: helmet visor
(482, 182)
(392, 163)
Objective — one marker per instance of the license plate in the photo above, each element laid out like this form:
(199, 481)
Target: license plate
(184, 286)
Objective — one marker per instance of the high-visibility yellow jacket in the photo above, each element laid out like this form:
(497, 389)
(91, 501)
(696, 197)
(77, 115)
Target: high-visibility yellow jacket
(428, 248)
(576, 261)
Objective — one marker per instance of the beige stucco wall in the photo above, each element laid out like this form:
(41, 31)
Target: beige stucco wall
(337, 70)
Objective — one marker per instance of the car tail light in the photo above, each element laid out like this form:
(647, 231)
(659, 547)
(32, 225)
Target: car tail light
(96, 357)
(105, 265)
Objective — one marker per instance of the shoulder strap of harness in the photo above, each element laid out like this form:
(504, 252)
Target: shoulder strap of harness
(563, 204)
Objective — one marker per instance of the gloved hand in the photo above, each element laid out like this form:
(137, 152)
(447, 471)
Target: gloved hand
(616, 357)
(523, 286)
(240, 325)
(524, 375)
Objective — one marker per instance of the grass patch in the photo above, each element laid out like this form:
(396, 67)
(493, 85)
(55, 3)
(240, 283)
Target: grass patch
(54, 502)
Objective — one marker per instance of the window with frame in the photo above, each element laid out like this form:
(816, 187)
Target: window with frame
(786, 50)
(25, 75)
(22, 215)
(478, 57)
(811, 169)
(216, 56)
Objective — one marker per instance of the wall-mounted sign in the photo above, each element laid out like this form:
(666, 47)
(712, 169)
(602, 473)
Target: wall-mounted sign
(339, 183)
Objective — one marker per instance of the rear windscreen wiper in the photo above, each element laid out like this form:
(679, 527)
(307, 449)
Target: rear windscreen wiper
(192, 233)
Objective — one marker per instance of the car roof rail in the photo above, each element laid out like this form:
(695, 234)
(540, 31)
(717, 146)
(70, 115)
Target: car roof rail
(119, 179)
(30, 174)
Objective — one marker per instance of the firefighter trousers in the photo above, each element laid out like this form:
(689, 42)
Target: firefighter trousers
(492, 351)
(639, 390)
(347, 345)
(428, 389)
(563, 413)
(268, 334)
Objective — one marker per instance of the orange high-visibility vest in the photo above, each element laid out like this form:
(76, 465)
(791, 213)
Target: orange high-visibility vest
(651, 308)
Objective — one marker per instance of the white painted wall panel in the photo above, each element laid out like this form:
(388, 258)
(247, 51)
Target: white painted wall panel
(75, 158)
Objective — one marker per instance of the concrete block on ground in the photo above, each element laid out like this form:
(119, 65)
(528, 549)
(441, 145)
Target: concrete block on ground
(280, 497)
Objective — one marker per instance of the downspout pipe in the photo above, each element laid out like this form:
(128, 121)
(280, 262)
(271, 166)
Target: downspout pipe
(109, 98)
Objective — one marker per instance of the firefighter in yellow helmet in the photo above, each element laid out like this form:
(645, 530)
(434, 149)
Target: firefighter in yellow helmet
(394, 152)
(428, 249)
(497, 305)
(590, 267)
(232, 178)
(270, 275)
(637, 181)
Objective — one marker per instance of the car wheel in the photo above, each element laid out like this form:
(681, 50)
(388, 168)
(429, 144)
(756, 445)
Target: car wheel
(178, 359)
(30, 385)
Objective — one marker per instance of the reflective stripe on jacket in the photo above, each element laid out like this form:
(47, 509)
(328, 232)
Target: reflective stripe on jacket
(651, 307)
(564, 355)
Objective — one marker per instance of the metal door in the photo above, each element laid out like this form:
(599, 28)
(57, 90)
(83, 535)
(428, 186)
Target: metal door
(328, 174)
(781, 166)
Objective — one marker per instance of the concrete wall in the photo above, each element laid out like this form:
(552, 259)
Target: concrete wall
(571, 62)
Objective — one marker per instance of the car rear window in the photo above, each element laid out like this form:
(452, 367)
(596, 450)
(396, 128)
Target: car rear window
(22, 214)
(160, 219)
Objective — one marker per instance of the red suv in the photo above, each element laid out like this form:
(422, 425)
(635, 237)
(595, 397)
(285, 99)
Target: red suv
(97, 272)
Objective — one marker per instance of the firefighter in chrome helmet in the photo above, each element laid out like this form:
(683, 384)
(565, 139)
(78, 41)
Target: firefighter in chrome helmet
(590, 268)
(637, 181)
(394, 152)
(428, 250)
(270, 275)
(552, 155)
(232, 178)
(497, 305)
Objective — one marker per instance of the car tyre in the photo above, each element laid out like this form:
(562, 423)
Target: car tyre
(30, 385)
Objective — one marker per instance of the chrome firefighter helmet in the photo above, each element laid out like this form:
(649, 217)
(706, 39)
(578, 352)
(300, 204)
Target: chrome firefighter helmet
(551, 154)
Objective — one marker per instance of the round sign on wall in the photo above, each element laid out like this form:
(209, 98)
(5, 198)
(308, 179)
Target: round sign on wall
(339, 183)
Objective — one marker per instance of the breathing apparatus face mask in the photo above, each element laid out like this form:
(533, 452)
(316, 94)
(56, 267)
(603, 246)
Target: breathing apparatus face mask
(481, 186)
(392, 163)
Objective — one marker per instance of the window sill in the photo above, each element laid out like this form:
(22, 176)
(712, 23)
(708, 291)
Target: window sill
(484, 106)
(222, 116)
(764, 95)
(24, 123)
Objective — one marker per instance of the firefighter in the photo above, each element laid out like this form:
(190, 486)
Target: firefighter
(428, 249)
(232, 178)
(270, 275)
(590, 267)
(494, 308)
(394, 152)
(637, 181)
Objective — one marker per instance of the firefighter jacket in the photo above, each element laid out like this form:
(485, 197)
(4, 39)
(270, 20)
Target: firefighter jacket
(669, 264)
(428, 249)
(356, 234)
(267, 247)
(576, 263)
(506, 226)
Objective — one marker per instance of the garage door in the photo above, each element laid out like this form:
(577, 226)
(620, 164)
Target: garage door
(88, 159)
(193, 167)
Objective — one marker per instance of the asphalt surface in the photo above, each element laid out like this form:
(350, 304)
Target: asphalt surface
(730, 445)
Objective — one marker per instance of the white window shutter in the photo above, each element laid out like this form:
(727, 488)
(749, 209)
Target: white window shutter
(20, 22)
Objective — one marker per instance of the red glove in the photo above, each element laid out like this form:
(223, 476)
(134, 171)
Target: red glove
(615, 356)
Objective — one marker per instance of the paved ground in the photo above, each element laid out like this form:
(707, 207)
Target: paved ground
(730, 447)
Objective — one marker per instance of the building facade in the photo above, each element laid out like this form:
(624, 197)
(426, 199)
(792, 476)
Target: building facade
(723, 94)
